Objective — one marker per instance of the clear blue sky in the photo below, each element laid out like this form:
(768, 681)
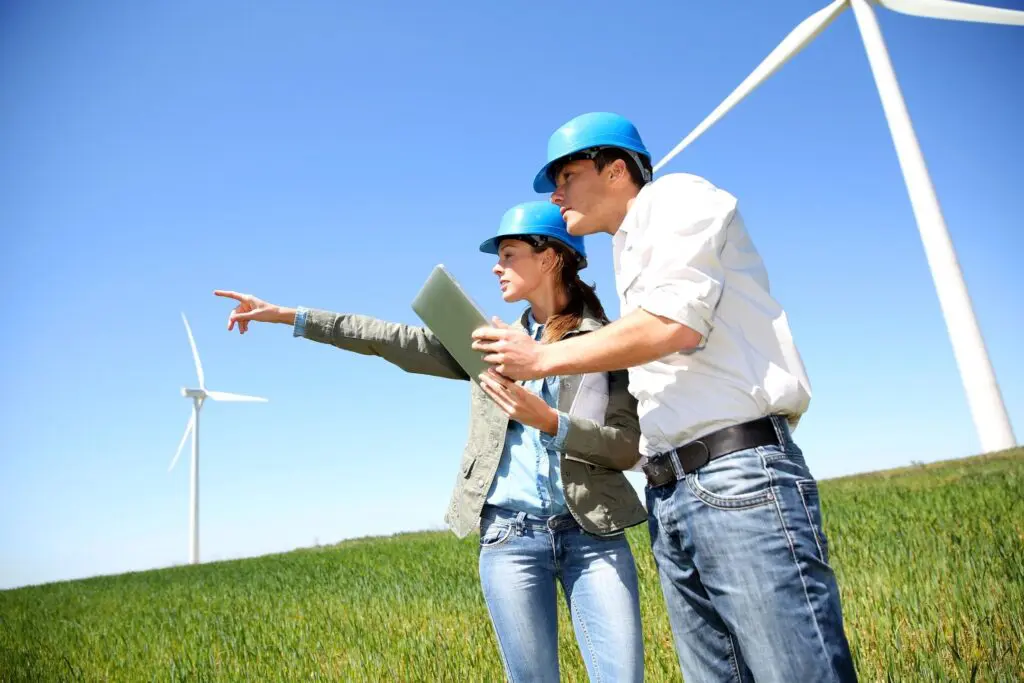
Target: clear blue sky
(329, 154)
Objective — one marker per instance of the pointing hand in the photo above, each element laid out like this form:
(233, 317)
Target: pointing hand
(250, 308)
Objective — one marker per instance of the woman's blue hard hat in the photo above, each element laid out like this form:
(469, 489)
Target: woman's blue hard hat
(536, 219)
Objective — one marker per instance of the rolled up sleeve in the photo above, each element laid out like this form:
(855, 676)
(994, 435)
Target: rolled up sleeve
(556, 442)
(682, 275)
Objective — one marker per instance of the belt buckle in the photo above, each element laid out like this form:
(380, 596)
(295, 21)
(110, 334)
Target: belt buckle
(656, 463)
(656, 466)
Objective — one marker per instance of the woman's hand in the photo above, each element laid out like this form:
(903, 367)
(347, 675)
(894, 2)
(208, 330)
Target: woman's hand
(250, 308)
(520, 405)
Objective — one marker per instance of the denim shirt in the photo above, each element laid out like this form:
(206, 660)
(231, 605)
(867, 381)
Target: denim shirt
(529, 477)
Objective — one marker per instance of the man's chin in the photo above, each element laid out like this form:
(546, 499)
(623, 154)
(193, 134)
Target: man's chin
(577, 225)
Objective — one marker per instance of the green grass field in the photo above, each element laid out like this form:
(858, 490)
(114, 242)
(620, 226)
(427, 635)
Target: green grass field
(930, 561)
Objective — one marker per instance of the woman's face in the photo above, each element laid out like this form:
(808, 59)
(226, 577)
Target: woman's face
(520, 270)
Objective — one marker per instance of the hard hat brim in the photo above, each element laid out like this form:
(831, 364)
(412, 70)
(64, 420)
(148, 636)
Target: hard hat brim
(542, 183)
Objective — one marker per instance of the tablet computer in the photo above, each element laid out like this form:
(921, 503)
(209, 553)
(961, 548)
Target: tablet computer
(450, 313)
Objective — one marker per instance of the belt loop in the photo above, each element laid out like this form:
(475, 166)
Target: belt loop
(519, 523)
(677, 467)
(781, 429)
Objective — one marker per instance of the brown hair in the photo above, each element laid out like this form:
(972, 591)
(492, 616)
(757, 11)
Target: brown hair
(580, 293)
(602, 156)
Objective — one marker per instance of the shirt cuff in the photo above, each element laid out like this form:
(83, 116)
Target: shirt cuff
(299, 328)
(668, 302)
(556, 442)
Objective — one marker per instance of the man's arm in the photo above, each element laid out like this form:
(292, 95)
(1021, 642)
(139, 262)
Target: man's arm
(638, 338)
(675, 294)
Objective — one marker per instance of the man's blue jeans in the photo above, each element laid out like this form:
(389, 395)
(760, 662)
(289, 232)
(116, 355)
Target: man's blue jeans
(744, 570)
(521, 559)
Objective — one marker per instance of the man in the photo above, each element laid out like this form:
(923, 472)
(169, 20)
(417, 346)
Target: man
(733, 509)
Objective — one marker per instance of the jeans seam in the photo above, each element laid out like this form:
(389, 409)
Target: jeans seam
(586, 637)
(803, 584)
(501, 648)
(810, 521)
(732, 656)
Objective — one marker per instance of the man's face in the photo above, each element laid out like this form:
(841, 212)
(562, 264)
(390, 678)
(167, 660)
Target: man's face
(585, 197)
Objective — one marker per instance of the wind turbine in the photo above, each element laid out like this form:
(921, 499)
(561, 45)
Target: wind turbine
(983, 397)
(198, 396)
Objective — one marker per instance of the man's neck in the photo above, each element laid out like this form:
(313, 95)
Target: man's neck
(630, 200)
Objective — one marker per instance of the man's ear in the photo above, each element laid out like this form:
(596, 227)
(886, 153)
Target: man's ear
(619, 169)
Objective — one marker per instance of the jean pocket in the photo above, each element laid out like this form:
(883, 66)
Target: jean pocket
(734, 482)
(495, 535)
(812, 506)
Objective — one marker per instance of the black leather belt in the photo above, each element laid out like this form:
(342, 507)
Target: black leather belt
(696, 454)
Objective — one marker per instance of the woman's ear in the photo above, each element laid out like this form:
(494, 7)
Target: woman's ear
(550, 262)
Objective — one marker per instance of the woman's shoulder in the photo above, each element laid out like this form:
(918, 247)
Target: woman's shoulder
(590, 321)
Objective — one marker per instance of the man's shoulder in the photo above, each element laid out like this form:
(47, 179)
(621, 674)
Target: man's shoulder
(683, 194)
(673, 184)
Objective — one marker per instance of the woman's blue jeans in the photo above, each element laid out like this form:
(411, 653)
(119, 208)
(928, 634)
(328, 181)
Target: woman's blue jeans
(522, 557)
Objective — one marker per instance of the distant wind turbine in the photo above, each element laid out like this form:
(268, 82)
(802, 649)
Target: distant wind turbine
(983, 396)
(198, 396)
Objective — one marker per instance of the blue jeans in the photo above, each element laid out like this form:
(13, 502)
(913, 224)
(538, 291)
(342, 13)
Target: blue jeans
(521, 558)
(744, 569)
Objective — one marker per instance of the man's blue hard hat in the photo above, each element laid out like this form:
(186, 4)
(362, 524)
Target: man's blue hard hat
(540, 219)
(586, 132)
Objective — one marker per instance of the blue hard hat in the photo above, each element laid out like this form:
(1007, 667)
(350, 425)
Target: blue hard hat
(585, 132)
(537, 219)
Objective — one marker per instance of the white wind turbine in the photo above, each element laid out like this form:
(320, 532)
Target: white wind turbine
(986, 404)
(198, 396)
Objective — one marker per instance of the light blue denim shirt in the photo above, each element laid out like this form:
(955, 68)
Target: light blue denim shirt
(529, 476)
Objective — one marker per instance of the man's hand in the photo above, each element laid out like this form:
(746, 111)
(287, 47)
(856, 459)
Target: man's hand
(513, 353)
(520, 404)
(250, 308)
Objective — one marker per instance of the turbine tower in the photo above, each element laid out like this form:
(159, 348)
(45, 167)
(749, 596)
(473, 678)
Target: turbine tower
(198, 396)
(983, 396)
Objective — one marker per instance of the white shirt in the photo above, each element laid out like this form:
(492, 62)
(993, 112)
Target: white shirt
(683, 252)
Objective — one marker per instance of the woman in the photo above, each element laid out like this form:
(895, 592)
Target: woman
(541, 475)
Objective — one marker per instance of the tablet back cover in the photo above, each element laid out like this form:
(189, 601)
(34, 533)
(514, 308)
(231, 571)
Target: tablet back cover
(452, 316)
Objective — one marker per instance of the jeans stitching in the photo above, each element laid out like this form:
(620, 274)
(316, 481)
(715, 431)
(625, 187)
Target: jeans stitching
(810, 520)
(500, 541)
(803, 583)
(732, 655)
(778, 431)
(747, 500)
(501, 651)
(586, 637)
(501, 648)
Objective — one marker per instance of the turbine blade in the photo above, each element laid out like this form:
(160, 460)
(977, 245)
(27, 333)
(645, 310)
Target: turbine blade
(955, 11)
(188, 430)
(227, 396)
(797, 40)
(195, 354)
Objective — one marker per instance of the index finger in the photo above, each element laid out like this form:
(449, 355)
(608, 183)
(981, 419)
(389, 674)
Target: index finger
(229, 294)
(488, 333)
